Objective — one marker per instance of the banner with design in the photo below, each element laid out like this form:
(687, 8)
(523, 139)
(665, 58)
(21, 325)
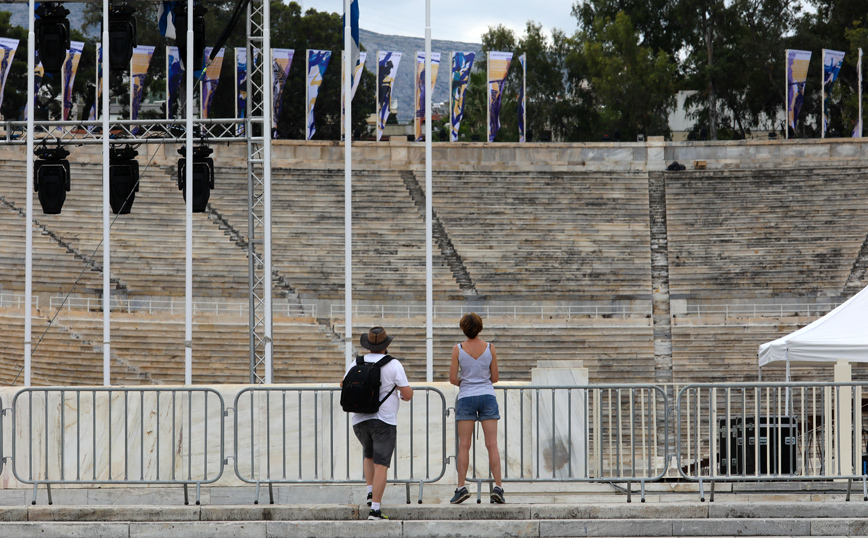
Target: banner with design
(174, 79)
(462, 62)
(67, 75)
(281, 60)
(797, 74)
(38, 73)
(357, 76)
(210, 79)
(7, 52)
(498, 67)
(138, 72)
(420, 87)
(832, 61)
(240, 87)
(387, 70)
(316, 64)
(93, 115)
(522, 96)
(857, 130)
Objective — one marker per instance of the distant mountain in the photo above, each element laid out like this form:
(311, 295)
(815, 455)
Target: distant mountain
(404, 85)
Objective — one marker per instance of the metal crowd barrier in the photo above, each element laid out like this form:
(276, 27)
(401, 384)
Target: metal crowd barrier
(300, 435)
(772, 432)
(57, 439)
(2, 414)
(604, 433)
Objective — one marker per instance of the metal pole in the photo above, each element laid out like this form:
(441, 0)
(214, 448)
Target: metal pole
(106, 216)
(348, 187)
(487, 97)
(267, 111)
(429, 213)
(822, 96)
(859, 66)
(786, 97)
(28, 264)
(188, 266)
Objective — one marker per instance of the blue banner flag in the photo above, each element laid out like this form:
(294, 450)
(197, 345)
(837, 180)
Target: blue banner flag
(166, 19)
(354, 34)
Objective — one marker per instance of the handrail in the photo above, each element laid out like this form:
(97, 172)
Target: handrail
(770, 432)
(177, 307)
(40, 424)
(325, 436)
(14, 300)
(760, 310)
(488, 311)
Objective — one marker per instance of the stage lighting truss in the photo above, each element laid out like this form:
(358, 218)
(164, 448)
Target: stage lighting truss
(203, 176)
(51, 178)
(122, 35)
(199, 11)
(52, 35)
(123, 178)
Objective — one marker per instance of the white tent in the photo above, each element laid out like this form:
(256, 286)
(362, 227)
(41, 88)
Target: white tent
(842, 334)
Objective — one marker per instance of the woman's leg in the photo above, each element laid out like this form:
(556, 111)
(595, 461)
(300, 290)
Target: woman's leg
(489, 428)
(465, 439)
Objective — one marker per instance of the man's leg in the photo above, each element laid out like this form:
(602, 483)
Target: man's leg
(379, 474)
(369, 471)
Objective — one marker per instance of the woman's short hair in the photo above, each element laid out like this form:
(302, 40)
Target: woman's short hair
(471, 324)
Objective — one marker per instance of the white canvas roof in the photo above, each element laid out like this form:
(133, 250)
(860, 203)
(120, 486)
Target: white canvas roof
(840, 334)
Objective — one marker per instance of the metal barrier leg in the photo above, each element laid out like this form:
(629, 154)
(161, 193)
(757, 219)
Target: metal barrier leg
(35, 486)
(642, 484)
(186, 496)
(270, 493)
(48, 490)
(256, 500)
(629, 492)
(198, 493)
(849, 487)
(701, 492)
(711, 498)
(407, 484)
(864, 489)
(421, 485)
(479, 492)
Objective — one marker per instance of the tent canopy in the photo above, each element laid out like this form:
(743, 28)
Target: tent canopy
(842, 334)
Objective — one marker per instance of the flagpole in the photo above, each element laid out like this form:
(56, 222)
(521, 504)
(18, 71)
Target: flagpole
(28, 264)
(860, 92)
(429, 212)
(823, 94)
(348, 186)
(188, 210)
(786, 95)
(106, 217)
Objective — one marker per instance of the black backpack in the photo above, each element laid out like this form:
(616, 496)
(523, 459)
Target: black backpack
(360, 391)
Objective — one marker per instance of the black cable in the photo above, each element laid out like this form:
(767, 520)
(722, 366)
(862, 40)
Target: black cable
(230, 26)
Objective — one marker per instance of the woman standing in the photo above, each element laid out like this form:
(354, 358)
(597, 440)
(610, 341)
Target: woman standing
(474, 372)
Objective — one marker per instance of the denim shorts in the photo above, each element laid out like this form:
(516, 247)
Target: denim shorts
(482, 407)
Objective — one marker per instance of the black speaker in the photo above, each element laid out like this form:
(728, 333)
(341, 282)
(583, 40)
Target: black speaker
(122, 36)
(198, 34)
(203, 176)
(123, 179)
(52, 35)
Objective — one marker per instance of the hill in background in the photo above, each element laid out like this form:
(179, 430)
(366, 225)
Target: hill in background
(404, 85)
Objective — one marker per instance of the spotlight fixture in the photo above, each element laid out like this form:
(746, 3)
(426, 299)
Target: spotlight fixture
(122, 35)
(123, 179)
(52, 35)
(198, 33)
(51, 178)
(203, 176)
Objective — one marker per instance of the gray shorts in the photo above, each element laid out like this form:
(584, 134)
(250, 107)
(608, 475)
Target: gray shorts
(378, 440)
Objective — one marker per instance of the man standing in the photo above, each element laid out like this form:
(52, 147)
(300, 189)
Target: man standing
(377, 432)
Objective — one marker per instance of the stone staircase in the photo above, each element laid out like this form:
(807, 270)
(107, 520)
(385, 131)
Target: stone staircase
(442, 520)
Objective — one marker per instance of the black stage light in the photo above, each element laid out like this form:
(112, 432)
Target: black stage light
(52, 35)
(51, 178)
(123, 179)
(198, 33)
(122, 35)
(203, 176)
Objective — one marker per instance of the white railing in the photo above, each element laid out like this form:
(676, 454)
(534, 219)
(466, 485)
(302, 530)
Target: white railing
(12, 300)
(760, 310)
(494, 311)
(173, 307)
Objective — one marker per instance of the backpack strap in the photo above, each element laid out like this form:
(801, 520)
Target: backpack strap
(380, 363)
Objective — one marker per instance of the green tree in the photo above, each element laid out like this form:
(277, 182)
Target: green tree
(16, 83)
(633, 86)
(656, 21)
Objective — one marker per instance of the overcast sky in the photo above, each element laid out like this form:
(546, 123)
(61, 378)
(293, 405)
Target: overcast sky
(458, 20)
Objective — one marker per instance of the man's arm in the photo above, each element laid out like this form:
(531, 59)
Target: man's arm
(405, 393)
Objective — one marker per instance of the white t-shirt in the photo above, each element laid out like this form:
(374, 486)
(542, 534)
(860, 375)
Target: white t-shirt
(390, 375)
